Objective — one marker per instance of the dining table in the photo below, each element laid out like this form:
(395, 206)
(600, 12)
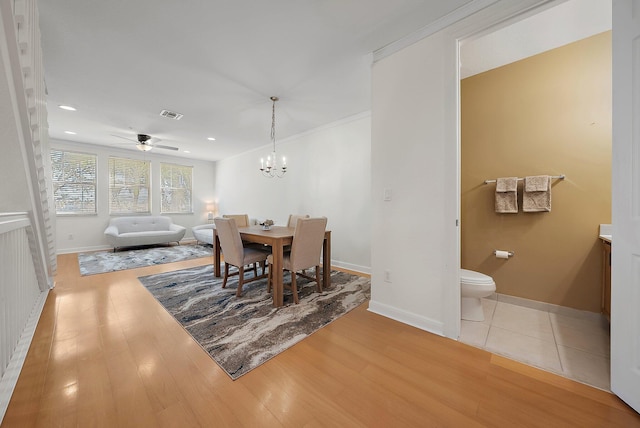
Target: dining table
(276, 237)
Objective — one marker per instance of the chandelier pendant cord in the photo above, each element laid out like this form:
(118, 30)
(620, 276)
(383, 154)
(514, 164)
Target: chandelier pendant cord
(271, 168)
(273, 123)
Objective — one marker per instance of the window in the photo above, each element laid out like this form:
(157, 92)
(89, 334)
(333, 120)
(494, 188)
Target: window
(129, 186)
(176, 188)
(74, 182)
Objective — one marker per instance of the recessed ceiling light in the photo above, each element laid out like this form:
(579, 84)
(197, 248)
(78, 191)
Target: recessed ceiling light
(70, 132)
(187, 151)
(211, 139)
(63, 107)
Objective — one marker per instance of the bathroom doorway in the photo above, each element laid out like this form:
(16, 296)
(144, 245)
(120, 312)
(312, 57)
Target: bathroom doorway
(546, 311)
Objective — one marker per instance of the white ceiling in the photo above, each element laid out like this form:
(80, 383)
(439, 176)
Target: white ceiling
(217, 62)
(544, 30)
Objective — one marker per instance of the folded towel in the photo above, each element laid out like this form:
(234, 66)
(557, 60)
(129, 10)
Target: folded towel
(507, 184)
(537, 183)
(537, 194)
(507, 195)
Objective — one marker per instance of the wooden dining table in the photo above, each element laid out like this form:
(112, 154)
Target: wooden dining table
(277, 237)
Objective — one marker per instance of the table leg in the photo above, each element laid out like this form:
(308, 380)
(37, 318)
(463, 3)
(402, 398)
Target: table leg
(216, 255)
(276, 274)
(326, 260)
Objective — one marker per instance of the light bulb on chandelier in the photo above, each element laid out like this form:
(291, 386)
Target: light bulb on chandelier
(270, 168)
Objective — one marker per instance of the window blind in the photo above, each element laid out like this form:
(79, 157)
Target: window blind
(74, 182)
(129, 186)
(176, 186)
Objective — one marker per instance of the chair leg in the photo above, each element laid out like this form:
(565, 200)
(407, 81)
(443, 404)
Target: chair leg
(226, 275)
(255, 269)
(270, 279)
(240, 281)
(294, 287)
(318, 283)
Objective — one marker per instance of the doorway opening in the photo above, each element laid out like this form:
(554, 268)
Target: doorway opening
(523, 114)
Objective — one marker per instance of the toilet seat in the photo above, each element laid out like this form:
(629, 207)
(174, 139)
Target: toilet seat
(471, 277)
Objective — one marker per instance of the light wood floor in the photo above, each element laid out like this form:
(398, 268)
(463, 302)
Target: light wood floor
(105, 353)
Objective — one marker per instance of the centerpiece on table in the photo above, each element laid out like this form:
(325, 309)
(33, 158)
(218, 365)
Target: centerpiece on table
(266, 225)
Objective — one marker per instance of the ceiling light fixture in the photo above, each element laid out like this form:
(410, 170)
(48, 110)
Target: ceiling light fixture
(211, 139)
(63, 107)
(144, 146)
(70, 132)
(271, 168)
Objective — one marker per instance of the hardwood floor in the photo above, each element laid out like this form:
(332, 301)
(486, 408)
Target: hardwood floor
(105, 353)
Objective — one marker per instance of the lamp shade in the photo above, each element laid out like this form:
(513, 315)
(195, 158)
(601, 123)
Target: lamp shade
(210, 207)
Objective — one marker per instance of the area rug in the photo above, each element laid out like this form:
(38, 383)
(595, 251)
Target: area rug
(108, 261)
(242, 333)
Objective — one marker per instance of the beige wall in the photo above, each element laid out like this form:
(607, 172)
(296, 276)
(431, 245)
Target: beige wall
(548, 114)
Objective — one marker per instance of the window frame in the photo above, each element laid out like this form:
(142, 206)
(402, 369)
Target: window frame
(189, 189)
(88, 156)
(112, 185)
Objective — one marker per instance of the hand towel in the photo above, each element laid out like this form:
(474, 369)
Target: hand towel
(537, 194)
(507, 195)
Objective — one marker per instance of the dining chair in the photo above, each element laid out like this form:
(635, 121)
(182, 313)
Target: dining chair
(305, 253)
(235, 254)
(293, 219)
(242, 220)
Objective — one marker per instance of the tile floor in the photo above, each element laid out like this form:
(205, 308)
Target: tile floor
(565, 342)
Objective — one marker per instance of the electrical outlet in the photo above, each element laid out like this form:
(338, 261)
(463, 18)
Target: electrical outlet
(387, 275)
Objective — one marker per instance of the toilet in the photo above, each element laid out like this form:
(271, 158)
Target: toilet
(473, 287)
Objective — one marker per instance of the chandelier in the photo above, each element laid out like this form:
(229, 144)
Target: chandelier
(270, 168)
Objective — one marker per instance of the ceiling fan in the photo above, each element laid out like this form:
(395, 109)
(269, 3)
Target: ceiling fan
(146, 142)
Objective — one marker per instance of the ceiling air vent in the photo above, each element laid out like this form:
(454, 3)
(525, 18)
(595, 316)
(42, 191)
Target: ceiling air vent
(171, 114)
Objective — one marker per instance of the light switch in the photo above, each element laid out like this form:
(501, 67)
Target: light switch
(387, 194)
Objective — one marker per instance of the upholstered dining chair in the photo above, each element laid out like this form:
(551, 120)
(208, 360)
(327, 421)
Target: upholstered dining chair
(235, 254)
(293, 219)
(305, 253)
(242, 220)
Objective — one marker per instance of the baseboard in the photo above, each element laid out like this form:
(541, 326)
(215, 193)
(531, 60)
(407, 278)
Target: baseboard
(83, 249)
(10, 377)
(547, 307)
(350, 266)
(427, 324)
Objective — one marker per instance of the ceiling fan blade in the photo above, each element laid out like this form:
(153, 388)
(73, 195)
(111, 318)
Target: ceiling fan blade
(160, 146)
(151, 142)
(124, 138)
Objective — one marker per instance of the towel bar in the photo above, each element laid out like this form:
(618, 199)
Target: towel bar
(559, 177)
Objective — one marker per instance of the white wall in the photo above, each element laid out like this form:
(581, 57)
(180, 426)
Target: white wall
(328, 175)
(14, 192)
(414, 234)
(84, 233)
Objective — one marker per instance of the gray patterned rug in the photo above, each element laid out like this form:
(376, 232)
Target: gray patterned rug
(108, 261)
(242, 333)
